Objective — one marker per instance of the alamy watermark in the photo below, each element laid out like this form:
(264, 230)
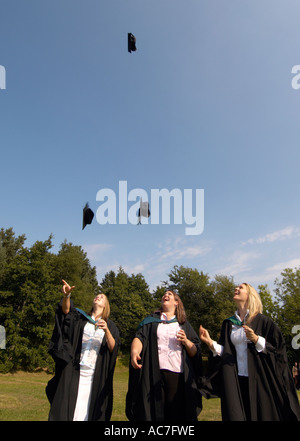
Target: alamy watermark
(185, 207)
(296, 78)
(296, 339)
(2, 338)
(2, 77)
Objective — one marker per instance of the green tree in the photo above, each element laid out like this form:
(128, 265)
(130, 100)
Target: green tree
(129, 300)
(196, 294)
(287, 295)
(157, 295)
(73, 265)
(269, 306)
(138, 286)
(108, 284)
(25, 305)
(223, 305)
(30, 288)
(10, 243)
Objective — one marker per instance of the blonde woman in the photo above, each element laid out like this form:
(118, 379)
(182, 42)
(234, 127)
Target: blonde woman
(84, 347)
(249, 368)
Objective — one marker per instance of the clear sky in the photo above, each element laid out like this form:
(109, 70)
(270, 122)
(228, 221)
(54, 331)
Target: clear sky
(206, 102)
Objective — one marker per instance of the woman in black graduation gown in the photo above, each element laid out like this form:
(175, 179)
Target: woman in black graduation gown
(165, 363)
(249, 370)
(85, 350)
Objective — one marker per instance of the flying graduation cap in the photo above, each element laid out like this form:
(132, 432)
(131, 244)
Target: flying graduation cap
(87, 216)
(143, 211)
(131, 42)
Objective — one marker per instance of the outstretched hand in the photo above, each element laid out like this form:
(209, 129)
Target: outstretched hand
(66, 288)
(205, 337)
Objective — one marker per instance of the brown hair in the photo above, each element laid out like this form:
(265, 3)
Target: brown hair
(179, 310)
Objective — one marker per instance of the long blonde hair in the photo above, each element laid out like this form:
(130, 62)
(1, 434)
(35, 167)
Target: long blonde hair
(254, 303)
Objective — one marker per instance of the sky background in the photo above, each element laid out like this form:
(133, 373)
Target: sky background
(205, 102)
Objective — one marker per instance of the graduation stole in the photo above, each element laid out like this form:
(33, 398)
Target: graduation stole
(235, 321)
(88, 317)
(151, 319)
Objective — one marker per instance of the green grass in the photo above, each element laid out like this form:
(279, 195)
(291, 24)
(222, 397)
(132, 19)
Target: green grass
(23, 398)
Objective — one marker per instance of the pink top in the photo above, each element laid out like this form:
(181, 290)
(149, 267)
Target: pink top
(169, 349)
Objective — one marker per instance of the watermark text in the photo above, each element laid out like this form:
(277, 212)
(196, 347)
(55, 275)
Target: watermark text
(2, 77)
(296, 339)
(2, 338)
(180, 206)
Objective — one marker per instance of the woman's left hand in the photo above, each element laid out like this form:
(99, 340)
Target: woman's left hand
(181, 336)
(250, 334)
(188, 344)
(102, 324)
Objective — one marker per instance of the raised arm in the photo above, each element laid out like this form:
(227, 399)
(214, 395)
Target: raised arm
(66, 290)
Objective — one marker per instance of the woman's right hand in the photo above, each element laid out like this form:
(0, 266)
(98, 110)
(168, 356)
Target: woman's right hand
(136, 349)
(66, 290)
(205, 337)
(135, 358)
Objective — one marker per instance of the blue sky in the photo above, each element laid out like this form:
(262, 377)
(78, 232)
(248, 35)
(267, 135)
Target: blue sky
(205, 102)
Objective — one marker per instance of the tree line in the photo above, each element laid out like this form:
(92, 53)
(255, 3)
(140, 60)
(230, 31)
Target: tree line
(30, 288)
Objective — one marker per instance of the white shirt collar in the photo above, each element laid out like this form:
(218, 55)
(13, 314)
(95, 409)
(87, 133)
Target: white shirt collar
(239, 318)
(164, 316)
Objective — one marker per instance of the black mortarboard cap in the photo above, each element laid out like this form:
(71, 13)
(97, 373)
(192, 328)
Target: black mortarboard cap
(87, 216)
(143, 210)
(131, 42)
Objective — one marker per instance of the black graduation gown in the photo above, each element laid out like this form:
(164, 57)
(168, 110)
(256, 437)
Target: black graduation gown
(65, 348)
(144, 396)
(271, 389)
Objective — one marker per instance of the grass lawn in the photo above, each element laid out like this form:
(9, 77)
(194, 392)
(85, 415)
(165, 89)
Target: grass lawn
(23, 398)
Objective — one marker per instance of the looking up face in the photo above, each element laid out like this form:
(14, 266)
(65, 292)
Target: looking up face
(100, 300)
(168, 300)
(241, 293)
